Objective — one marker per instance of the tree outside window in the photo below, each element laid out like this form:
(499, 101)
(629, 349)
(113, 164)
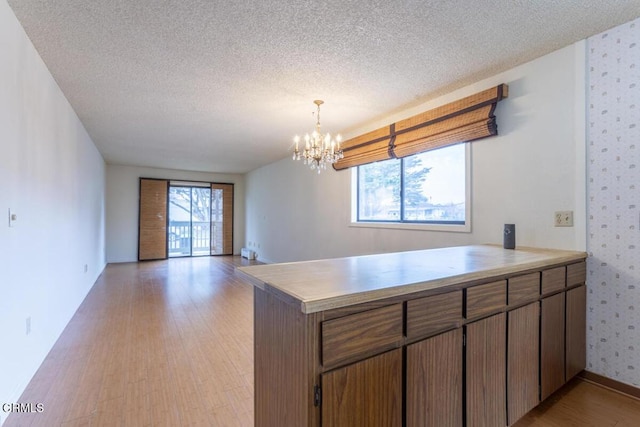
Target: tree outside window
(429, 187)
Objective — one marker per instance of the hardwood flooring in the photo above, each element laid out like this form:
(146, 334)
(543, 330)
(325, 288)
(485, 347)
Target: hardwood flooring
(153, 344)
(170, 343)
(583, 404)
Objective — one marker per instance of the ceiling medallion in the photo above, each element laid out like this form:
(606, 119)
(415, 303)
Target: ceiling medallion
(319, 149)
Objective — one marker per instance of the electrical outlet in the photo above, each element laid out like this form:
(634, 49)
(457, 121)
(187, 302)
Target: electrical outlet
(563, 219)
(28, 324)
(86, 268)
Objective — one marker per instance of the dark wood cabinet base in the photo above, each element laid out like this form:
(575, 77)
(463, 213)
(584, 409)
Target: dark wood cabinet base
(478, 353)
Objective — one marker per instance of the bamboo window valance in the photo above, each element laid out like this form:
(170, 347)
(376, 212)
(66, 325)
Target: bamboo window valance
(465, 120)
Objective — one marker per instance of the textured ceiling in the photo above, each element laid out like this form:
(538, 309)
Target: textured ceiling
(222, 86)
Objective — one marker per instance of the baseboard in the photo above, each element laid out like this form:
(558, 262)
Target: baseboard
(614, 385)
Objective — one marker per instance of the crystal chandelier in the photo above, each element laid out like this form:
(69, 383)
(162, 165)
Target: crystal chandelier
(319, 149)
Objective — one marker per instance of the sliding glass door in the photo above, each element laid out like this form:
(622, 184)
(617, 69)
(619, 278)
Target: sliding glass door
(189, 232)
(184, 218)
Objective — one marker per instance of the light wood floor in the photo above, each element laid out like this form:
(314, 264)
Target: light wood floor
(583, 404)
(153, 344)
(170, 343)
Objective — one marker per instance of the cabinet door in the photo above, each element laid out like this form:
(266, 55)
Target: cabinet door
(551, 345)
(486, 374)
(434, 381)
(523, 352)
(367, 393)
(576, 331)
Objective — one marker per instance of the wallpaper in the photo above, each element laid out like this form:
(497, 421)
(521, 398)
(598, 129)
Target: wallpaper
(613, 203)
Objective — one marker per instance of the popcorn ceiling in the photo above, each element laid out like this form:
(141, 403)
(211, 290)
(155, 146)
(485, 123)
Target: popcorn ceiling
(223, 86)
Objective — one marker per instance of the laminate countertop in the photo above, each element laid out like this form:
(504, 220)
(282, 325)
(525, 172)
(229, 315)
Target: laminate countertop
(340, 282)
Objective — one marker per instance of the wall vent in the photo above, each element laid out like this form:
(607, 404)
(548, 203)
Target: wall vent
(248, 253)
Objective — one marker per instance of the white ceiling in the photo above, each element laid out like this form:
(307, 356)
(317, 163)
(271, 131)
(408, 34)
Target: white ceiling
(222, 86)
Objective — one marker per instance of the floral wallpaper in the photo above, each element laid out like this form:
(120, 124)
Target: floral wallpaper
(613, 203)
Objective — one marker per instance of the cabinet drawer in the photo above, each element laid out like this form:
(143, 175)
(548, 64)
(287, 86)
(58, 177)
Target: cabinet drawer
(360, 335)
(576, 273)
(486, 299)
(426, 316)
(553, 280)
(523, 289)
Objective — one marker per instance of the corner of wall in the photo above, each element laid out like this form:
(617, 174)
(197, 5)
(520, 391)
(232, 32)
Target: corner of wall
(580, 141)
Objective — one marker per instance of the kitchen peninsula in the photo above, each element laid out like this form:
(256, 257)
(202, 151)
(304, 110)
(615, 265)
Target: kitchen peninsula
(469, 335)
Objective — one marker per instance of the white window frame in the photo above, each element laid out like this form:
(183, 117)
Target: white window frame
(455, 228)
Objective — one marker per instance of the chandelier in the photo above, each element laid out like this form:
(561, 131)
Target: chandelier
(319, 149)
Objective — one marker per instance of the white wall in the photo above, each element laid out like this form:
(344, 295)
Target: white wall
(53, 178)
(122, 206)
(534, 167)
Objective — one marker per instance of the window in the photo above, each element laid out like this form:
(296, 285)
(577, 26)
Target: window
(426, 188)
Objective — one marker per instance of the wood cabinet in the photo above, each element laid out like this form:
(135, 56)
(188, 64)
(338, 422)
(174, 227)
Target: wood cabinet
(434, 381)
(522, 361)
(485, 374)
(576, 318)
(553, 280)
(429, 315)
(284, 360)
(552, 339)
(355, 337)
(366, 393)
(481, 352)
(523, 289)
(563, 335)
(483, 300)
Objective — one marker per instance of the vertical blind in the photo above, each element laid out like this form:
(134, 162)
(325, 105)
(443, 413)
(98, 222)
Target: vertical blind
(465, 120)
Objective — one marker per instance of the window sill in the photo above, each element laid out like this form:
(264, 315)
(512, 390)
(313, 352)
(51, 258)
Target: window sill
(453, 228)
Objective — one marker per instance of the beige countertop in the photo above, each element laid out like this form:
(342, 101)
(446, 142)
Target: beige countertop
(333, 283)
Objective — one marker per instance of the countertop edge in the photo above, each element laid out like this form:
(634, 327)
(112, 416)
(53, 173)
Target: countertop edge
(251, 279)
(437, 285)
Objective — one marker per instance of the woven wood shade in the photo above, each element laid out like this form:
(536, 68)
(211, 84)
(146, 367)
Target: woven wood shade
(465, 120)
(152, 229)
(222, 232)
(367, 148)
